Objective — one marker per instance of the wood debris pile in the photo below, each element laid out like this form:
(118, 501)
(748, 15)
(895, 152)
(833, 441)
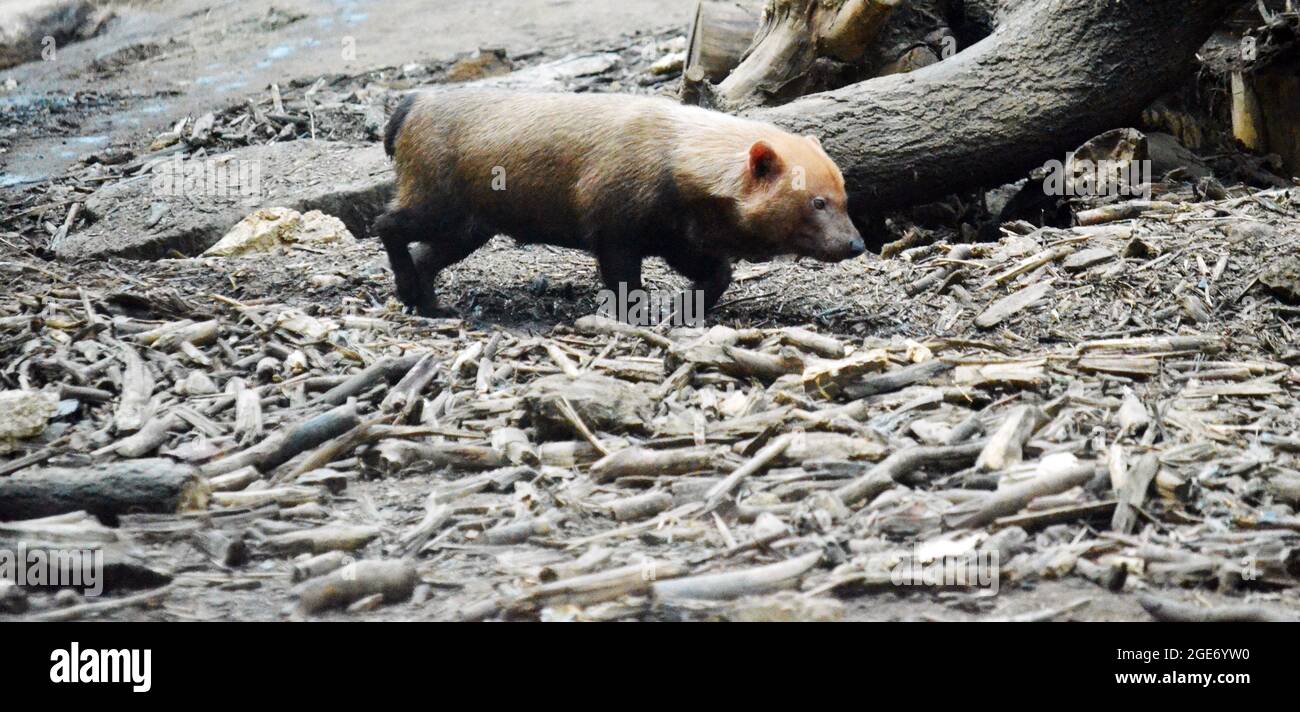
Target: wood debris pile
(252, 456)
(1106, 410)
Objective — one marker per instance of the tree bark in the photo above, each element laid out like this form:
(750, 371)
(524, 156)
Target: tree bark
(723, 31)
(778, 65)
(1055, 74)
(720, 35)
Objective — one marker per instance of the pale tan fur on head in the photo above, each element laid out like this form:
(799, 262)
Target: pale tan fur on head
(772, 177)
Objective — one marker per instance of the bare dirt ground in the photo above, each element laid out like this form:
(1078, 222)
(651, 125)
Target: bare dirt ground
(1174, 318)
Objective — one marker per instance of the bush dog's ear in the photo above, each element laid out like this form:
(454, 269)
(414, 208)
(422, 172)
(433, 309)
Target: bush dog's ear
(763, 161)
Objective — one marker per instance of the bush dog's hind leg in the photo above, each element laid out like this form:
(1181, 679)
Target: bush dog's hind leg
(440, 245)
(398, 229)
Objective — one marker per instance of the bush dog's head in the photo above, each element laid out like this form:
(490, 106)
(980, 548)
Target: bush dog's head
(793, 200)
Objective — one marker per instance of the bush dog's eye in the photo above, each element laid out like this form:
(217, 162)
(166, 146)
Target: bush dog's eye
(819, 203)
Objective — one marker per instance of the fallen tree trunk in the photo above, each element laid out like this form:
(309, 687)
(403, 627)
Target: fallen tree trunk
(1055, 74)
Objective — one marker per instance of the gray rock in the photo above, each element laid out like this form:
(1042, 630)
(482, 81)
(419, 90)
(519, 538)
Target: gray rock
(187, 206)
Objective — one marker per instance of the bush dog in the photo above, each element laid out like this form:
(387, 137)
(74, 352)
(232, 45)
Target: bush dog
(623, 177)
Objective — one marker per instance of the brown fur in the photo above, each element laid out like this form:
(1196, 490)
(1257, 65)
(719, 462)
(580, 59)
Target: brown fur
(624, 177)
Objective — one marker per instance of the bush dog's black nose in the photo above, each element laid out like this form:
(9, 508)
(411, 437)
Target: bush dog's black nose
(858, 246)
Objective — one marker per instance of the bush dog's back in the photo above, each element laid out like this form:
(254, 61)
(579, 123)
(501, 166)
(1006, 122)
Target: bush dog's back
(624, 177)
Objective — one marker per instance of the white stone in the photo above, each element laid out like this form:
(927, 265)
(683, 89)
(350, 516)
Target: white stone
(273, 228)
(23, 414)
